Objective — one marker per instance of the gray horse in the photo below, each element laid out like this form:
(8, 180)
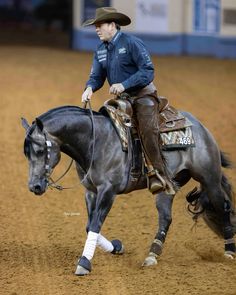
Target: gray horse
(104, 168)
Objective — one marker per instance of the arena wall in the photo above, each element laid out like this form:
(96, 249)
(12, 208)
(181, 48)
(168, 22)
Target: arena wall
(169, 27)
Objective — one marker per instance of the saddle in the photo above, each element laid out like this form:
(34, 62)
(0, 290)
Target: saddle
(175, 133)
(175, 128)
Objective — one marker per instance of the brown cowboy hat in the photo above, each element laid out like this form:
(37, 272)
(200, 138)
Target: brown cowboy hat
(108, 14)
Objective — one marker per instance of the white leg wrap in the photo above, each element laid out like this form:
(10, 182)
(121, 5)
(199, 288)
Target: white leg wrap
(104, 244)
(90, 245)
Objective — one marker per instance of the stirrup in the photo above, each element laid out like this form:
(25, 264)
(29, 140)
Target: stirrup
(156, 182)
(159, 183)
(154, 172)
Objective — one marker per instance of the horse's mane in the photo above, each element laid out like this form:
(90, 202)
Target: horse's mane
(65, 109)
(73, 110)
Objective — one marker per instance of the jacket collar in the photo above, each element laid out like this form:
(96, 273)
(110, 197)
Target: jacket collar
(114, 40)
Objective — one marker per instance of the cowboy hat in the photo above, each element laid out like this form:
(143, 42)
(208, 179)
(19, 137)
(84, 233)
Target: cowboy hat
(108, 14)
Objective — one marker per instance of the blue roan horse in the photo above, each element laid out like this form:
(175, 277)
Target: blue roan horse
(104, 168)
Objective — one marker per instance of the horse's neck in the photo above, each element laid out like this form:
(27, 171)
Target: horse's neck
(73, 132)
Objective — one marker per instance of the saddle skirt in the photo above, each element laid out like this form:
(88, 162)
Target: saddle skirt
(175, 129)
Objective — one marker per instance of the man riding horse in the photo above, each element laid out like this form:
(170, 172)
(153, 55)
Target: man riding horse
(125, 62)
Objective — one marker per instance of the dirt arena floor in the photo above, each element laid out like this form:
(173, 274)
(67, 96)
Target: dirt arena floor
(42, 237)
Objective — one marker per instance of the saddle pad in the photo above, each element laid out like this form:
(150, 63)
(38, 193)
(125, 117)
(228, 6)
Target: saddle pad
(120, 128)
(178, 139)
(171, 139)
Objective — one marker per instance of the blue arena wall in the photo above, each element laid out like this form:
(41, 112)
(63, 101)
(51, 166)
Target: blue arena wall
(170, 44)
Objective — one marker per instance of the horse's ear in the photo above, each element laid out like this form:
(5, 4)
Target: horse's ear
(25, 124)
(39, 124)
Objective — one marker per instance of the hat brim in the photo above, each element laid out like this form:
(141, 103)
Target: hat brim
(119, 18)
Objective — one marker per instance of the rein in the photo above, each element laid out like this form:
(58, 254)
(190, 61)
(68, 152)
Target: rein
(94, 137)
(53, 183)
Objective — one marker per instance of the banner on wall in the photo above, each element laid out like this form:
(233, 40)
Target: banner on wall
(207, 16)
(152, 16)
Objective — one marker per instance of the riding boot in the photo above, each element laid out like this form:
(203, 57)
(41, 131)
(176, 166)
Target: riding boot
(158, 183)
(155, 184)
(146, 114)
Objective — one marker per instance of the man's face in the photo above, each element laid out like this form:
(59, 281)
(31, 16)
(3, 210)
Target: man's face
(105, 31)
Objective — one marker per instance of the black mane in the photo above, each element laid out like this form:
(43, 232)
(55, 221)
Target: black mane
(73, 110)
(65, 109)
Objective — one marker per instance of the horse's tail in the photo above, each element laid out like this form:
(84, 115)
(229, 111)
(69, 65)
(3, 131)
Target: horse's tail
(200, 205)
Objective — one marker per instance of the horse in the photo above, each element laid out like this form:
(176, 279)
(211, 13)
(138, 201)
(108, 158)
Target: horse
(90, 139)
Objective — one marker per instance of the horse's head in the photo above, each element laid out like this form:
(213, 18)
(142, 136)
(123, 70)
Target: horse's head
(43, 153)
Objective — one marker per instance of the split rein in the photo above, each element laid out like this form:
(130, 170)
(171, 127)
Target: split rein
(53, 183)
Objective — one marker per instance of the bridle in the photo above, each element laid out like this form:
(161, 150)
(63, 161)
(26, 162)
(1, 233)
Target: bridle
(48, 169)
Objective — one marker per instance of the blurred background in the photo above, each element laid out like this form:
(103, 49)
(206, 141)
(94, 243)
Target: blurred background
(168, 27)
(45, 59)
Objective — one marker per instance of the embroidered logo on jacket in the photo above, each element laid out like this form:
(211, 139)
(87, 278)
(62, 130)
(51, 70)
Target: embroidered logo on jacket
(122, 50)
(102, 55)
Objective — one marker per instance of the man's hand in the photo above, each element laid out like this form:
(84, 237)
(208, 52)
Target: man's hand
(86, 96)
(116, 89)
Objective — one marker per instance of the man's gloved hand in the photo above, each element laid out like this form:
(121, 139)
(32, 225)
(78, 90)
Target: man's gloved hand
(86, 96)
(116, 89)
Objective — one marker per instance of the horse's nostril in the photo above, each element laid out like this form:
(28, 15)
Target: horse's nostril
(37, 187)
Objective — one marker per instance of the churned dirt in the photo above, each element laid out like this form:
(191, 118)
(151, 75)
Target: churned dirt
(42, 237)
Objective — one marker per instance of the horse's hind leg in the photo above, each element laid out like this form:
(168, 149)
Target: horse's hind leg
(230, 248)
(222, 207)
(164, 206)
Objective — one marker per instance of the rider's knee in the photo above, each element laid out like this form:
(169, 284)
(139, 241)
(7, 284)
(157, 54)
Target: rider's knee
(145, 101)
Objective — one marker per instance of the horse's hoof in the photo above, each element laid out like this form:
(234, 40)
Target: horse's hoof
(83, 267)
(119, 248)
(229, 255)
(150, 260)
(81, 271)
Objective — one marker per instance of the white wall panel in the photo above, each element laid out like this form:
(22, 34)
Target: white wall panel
(228, 25)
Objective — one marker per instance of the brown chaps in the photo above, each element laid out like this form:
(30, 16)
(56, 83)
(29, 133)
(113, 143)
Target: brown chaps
(146, 116)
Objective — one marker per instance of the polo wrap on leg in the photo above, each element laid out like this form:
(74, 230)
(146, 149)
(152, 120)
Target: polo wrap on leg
(230, 246)
(156, 247)
(104, 244)
(90, 245)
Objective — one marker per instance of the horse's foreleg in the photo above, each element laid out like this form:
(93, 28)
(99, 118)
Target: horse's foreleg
(98, 207)
(90, 199)
(163, 205)
(93, 240)
(114, 247)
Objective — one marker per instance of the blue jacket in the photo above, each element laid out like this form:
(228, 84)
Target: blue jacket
(123, 60)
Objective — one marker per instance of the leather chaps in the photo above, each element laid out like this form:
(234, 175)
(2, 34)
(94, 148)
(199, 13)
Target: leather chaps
(146, 118)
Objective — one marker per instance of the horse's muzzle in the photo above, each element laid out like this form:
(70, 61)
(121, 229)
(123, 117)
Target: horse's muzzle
(38, 188)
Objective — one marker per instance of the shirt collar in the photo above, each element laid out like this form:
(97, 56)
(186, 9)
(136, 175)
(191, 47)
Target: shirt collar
(113, 41)
(115, 37)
